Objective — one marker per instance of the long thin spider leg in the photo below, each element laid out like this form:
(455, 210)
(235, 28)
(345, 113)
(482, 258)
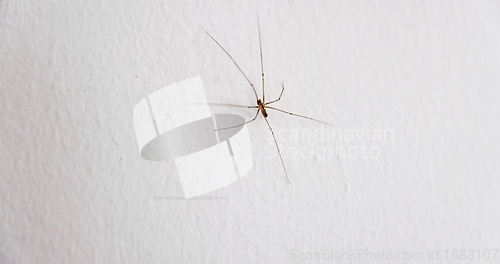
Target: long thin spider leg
(278, 148)
(231, 57)
(256, 114)
(261, 63)
(306, 117)
(234, 105)
(279, 98)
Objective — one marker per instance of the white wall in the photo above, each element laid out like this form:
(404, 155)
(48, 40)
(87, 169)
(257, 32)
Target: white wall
(74, 189)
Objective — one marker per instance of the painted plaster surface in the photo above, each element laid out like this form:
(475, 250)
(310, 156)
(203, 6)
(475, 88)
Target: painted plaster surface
(410, 163)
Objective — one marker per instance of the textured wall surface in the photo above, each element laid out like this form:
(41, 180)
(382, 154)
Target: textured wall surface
(74, 188)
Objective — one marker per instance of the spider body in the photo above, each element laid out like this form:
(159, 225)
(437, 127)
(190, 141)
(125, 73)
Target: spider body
(262, 107)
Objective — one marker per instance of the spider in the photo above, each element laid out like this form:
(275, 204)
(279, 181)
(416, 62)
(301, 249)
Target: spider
(262, 106)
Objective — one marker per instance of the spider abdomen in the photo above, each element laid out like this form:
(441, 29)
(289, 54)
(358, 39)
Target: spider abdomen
(264, 112)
